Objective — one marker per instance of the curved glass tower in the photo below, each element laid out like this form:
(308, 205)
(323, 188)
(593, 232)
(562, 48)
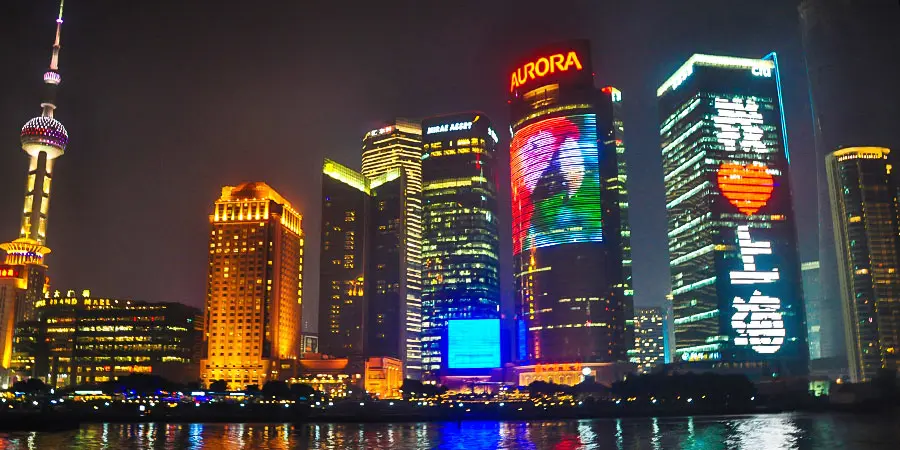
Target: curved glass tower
(571, 240)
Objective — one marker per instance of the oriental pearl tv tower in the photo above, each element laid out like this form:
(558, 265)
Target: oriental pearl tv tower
(43, 139)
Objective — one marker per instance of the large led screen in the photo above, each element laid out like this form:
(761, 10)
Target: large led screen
(556, 183)
(473, 344)
(761, 293)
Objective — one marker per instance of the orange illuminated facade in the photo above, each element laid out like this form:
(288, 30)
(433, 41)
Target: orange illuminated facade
(253, 306)
(12, 285)
(384, 376)
(747, 187)
(570, 374)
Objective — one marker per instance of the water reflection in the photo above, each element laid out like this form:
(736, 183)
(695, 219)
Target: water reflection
(780, 431)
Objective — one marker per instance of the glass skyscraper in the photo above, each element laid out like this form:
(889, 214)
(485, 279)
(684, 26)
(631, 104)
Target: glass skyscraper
(736, 280)
(571, 241)
(850, 53)
(399, 146)
(864, 210)
(342, 265)
(460, 239)
(812, 294)
(649, 339)
(361, 294)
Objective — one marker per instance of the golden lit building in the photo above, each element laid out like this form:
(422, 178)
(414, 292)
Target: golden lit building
(570, 374)
(384, 376)
(12, 282)
(399, 145)
(336, 377)
(82, 338)
(864, 209)
(253, 306)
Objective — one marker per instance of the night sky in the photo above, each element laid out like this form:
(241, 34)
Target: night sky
(165, 101)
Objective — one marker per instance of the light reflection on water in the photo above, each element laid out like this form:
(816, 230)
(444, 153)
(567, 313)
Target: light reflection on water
(770, 432)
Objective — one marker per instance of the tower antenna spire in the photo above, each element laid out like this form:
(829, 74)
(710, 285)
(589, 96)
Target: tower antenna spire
(54, 60)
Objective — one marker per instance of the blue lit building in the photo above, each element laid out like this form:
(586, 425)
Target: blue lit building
(736, 281)
(460, 251)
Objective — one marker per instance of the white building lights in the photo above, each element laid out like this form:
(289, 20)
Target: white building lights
(736, 295)
(738, 124)
(749, 251)
(758, 67)
(757, 321)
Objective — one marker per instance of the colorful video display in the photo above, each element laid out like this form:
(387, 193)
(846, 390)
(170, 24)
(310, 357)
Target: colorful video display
(556, 183)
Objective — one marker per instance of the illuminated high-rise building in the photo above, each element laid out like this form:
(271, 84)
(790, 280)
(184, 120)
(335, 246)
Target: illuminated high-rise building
(866, 234)
(399, 146)
(569, 211)
(342, 268)
(83, 338)
(812, 295)
(460, 242)
(616, 187)
(736, 280)
(649, 339)
(849, 107)
(361, 294)
(253, 305)
(23, 276)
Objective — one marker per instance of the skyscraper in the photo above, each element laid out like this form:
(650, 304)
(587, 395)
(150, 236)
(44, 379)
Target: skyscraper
(361, 296)
(850, 107)
(253, 305)
(649, 339)
(617, 189)
(23, 276)
(342, 266)
(732, 239)
(568, 200)
(461, 239)
(812, 295)
(399, 146)
(866, 235)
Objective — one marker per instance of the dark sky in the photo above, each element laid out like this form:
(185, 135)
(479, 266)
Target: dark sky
(167, 100)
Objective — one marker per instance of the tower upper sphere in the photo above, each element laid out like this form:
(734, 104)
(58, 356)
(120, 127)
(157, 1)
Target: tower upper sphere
(44, 134)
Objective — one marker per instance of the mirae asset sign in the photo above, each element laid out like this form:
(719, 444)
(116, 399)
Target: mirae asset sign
(458, 126)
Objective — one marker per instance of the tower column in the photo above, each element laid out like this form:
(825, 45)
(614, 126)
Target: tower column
(37, 199)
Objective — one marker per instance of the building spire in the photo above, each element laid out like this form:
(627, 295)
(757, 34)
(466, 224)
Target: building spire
(54, 60)
(52, 77)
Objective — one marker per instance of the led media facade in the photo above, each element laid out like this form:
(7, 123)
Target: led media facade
(732, 240)
(556, 183)
(571, 243)
(473, 344)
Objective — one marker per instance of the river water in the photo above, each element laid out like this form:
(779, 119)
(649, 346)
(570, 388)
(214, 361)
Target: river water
(769, 432)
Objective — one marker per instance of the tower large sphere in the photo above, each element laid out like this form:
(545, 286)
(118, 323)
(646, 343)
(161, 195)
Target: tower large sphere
(44, 134)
